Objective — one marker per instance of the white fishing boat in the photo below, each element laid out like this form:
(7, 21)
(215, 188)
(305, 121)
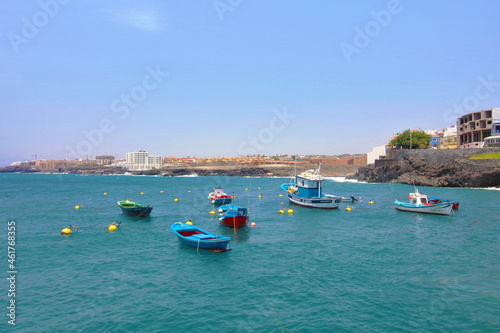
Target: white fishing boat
(420, 203)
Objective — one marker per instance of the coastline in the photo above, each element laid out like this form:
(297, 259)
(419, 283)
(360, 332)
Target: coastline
(271, 170)
(435, 168)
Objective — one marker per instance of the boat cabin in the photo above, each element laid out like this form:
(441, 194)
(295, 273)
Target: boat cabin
(242, 212)
(218, 191)
(233, 210)
(308, 183)
(419, 199)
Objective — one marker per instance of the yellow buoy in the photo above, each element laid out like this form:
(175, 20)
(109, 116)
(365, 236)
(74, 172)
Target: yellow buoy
(66, 231)
(161, 191)
(259, 188)
(142, 192)
(281, 195)
(112, 227)
(212, 212)
(253, 224)
(77, 207)
(260, 196)
(105, 193)
(246, 189)
(281, 211)
(189, 222)
(348, 209)
(290, 211)
(176, 200)
(370, 202)
(189, 191)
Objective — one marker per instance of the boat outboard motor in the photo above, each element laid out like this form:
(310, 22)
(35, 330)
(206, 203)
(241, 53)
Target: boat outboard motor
(353, 199)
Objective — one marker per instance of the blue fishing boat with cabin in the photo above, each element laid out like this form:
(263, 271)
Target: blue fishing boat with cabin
(193, 236)
(233, 216)
(306, 190)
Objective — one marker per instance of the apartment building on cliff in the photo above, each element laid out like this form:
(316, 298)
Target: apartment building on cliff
(474, 127)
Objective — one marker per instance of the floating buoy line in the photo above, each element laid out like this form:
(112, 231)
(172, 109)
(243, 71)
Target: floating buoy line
(93, 208)
(351, 207)
(114, 226)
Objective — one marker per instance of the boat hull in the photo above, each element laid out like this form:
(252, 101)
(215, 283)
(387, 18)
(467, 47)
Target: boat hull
(221, 201)
(139, 211)
(439, 209)
(234, 222)
(205, 244)
(323, 202)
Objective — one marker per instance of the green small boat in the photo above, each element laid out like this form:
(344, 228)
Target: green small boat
(134, 209)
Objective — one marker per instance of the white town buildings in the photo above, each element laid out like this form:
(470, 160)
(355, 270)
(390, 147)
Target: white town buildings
(141, 160)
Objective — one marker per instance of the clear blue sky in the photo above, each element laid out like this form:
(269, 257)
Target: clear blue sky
(346, 74)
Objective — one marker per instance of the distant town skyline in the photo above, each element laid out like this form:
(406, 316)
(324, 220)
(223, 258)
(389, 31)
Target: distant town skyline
(238, 78)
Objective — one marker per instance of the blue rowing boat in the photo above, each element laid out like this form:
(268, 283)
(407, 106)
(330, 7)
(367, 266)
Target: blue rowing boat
(193, 236)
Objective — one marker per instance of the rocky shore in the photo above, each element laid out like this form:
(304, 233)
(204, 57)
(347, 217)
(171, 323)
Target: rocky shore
(272, 170)
(436, 168)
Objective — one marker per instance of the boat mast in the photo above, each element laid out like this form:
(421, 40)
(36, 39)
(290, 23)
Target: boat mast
(295, 171)
(319, 179)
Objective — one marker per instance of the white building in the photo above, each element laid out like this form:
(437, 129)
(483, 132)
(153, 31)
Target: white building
(141, 160)
(376, 153)
(449, 139)
(157, 161)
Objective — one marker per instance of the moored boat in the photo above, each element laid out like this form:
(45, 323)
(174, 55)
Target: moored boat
(218, 196)
(134, 209)
(193, 236)
(420, 203)
(306, 190)
(233, 216)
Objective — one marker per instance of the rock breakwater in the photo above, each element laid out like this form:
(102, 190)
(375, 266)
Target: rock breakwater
(437, 168)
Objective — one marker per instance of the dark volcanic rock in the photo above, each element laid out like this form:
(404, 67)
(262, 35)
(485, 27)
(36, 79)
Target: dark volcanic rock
(452, 172)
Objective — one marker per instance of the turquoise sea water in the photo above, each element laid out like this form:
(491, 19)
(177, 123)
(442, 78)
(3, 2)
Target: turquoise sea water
(373, 269)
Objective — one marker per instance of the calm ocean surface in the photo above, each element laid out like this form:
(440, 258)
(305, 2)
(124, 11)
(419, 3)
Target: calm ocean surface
(373, 269)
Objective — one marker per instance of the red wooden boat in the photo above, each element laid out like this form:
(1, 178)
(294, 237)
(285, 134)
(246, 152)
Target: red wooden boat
(233, 216)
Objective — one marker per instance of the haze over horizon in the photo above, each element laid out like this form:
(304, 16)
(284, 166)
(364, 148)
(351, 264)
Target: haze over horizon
(230, 78)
